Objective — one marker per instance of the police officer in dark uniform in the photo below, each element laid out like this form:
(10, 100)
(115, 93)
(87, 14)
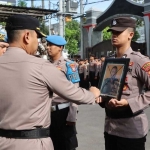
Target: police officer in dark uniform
(63, 115)
(126, 124)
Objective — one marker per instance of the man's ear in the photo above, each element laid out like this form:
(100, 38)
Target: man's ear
(26, 37)
(61, 48)
(131, 35)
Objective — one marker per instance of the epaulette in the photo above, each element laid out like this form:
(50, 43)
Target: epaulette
(138, 54)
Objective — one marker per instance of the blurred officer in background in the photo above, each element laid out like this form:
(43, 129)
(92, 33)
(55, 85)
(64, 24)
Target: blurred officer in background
(28, 83)
(82, 73)
(126, 124)
(63, 115)
(87, 73)
(3, 43)
(92, 71)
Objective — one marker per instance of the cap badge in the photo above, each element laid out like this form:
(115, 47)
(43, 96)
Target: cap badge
(38, 28)
(2, 37)
(114, 22)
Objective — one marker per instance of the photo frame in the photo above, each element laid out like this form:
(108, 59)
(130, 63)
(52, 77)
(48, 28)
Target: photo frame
(113, 77)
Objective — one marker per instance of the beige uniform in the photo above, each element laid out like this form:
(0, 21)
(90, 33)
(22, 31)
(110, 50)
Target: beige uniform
(138, 75)
(26, 89)
(61, 65)
(93, 66)
(87, 69)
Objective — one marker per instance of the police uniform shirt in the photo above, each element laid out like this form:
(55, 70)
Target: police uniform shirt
(92, 66)
(25, 96)
(72, 115)
(81, 69)
(138, 75)
(87, 69)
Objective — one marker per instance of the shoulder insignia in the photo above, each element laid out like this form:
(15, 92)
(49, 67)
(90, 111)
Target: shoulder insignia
(73, 66)
(58, 67)
(125, 87)
(146, 67)
(2, 37)
(131, 64)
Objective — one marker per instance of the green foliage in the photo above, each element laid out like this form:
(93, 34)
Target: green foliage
(3, 23)
(22, 3)
(44, 28)
(106, 35)
(136, 36)
(72, 36)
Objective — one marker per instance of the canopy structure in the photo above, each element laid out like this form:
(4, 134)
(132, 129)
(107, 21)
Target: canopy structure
(7, 10)
(119, 8)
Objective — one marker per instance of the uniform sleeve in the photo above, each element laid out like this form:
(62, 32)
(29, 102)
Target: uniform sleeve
(142, 72)
(57, 82)
(73, 108)
(72, 114)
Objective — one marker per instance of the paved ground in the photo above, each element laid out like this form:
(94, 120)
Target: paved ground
(90, 126)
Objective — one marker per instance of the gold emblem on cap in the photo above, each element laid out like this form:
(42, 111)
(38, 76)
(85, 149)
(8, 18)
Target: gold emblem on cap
(114, 22)
(2, 37)
(38, 28)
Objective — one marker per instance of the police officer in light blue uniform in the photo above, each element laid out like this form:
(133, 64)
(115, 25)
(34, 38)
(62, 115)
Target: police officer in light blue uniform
(63, 115)
(3, 43)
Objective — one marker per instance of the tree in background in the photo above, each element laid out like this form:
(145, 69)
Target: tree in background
(106, 35)
(22, 3)
(44, 28)
(72, 36)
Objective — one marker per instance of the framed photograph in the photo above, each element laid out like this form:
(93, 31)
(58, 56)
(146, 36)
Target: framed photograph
(113, 77)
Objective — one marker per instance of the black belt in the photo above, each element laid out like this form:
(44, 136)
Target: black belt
(25, 134)
(114, 114)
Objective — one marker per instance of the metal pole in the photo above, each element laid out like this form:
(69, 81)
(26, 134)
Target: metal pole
(49, 19)
(43, 4)
(81, 12)
(64, 10)
(32, 3)
(60, 18)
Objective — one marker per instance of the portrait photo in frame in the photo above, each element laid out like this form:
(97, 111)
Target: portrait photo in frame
(113, 78)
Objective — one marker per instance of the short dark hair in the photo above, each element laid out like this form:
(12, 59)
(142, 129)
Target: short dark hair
(114, 67)
(92, 55)
(13, 35)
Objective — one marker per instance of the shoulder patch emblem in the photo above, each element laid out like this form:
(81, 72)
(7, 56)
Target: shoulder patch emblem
(125, 87)
(131, 64)
(146, 67)
(2, 37)
(73, 67)
(58, 67)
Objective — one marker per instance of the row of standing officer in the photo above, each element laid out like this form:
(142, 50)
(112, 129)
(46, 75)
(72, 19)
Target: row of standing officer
(90, 71)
